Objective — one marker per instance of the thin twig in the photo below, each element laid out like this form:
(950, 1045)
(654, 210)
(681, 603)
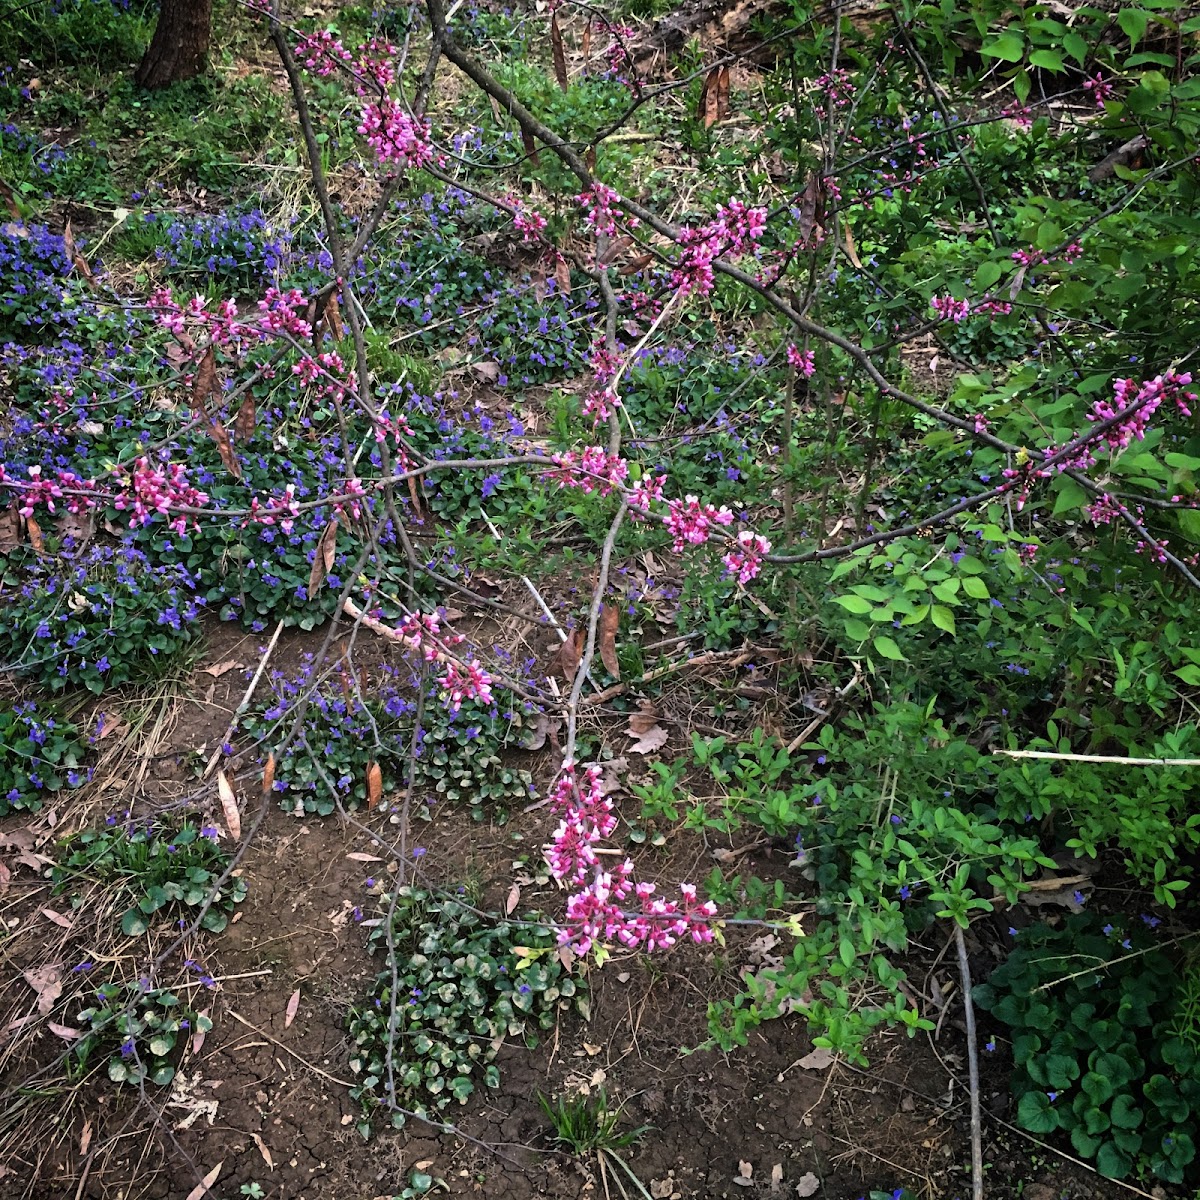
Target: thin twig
(1124, 760)
(964, 968)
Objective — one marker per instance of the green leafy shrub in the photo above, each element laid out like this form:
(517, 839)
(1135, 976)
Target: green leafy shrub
(39, 753)
(455, 985)
(98, 621)
(1097, 1050)
(161, 870)
(138, 1027)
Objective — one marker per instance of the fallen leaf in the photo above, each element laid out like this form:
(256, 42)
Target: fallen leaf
(5, 877)
(10, 200)
(514, 898)
(64, 1031)
(591, 1050)
(57, 917)
(79, 526)
(85, 1137)
(216, 670)
(205, 382)
(243, 423)
(80, 263)
(587, 39)
(262, 1149)
(206, 1183)
(322, 562)
(10, 529)
(610, 619)
(851, 252)
(486, 372)
(562, 275)
(569, 654)
(199, 1035)
(744, 1177)
(776, 1176)
(817, 1060)
(807, 1185)
(710, 99)
(645, 718)
(557, 52)
(530, 146)
(359, 856)
(47, 982)
(812, 207)
(535, 738)
(220, 435)
(653, 739)
(229, 806)
(293, 1006)
(34, 531)
(268, 779)
(634, 265)
(374, 785)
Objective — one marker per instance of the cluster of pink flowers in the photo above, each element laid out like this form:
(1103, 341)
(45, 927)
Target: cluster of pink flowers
(691, 523)
(1000, 308)
(329, 370)
(1144, 400)
(321, 52)
(803, 361)
(601, 205)
(949, 309)
(278, 313)
(1034, 257)
(734, 231)
(278, 510)
(599, 404)
(616, 54)
(645, 492)
(395, 135)
(466, 681)
(352, 488)
(529, 221)
(1101, 89)
(596, 913)
(745, 562)
(80, 494)
(1105, 510)
(838, 92)
(592, 470)
(153, 490)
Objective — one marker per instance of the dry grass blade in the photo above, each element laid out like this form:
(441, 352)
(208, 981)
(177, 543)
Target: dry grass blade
(205, 1185)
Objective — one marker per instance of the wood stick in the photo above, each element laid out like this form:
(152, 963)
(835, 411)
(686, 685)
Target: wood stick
(1102, 758)
(964, 968)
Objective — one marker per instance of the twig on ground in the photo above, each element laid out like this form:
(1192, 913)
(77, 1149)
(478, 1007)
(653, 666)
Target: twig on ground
(245, 702)
(816, 723)
(964, 968)
(1101, 758)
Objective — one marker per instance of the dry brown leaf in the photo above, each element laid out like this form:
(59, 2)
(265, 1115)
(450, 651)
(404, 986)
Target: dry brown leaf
(47, 982)
(64, 1031)
(530, 146)
(567, 659)
(10, 529)
(80, 263)
(322, 562)
(57, 917)
(587, 39)
(216, 670)
(557, 52)
(85, 1137)
(634, 265)
(512, 900)
(776, 1176)
(645, 718)
(199, 1035)
(374, 785)
(220, 435)
(34, 532)
(262, 1149)
(817, 1059)
(359, 856)
(206, 1183)
(5, 877)
(79, 526)
(243, 423)
(229, 806)
(807, 1185)
(851, 252)
(293, 1006)
(333, 319)
(205, 382)
(745, 1175)
(10, 200)
(653, 739)
(615, 248)
(562, 275)
(610, 619)
(268, 779)
(812, 208)
(486, 372)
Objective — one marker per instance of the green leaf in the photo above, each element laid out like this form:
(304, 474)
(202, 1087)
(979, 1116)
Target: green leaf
(1133, 22)
(1048, 60)
(1070, 496)
(976, 588)
(987, 274)
(1075, 46)
(1036, 1113)
(942, 617)
(1009, 46)
(888, 648)
(854, 604)
(857, 631)
(133, 924)
(1113, 1162)
(1125, 1113)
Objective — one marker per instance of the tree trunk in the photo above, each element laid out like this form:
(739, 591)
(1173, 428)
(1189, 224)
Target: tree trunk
(179, 48)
